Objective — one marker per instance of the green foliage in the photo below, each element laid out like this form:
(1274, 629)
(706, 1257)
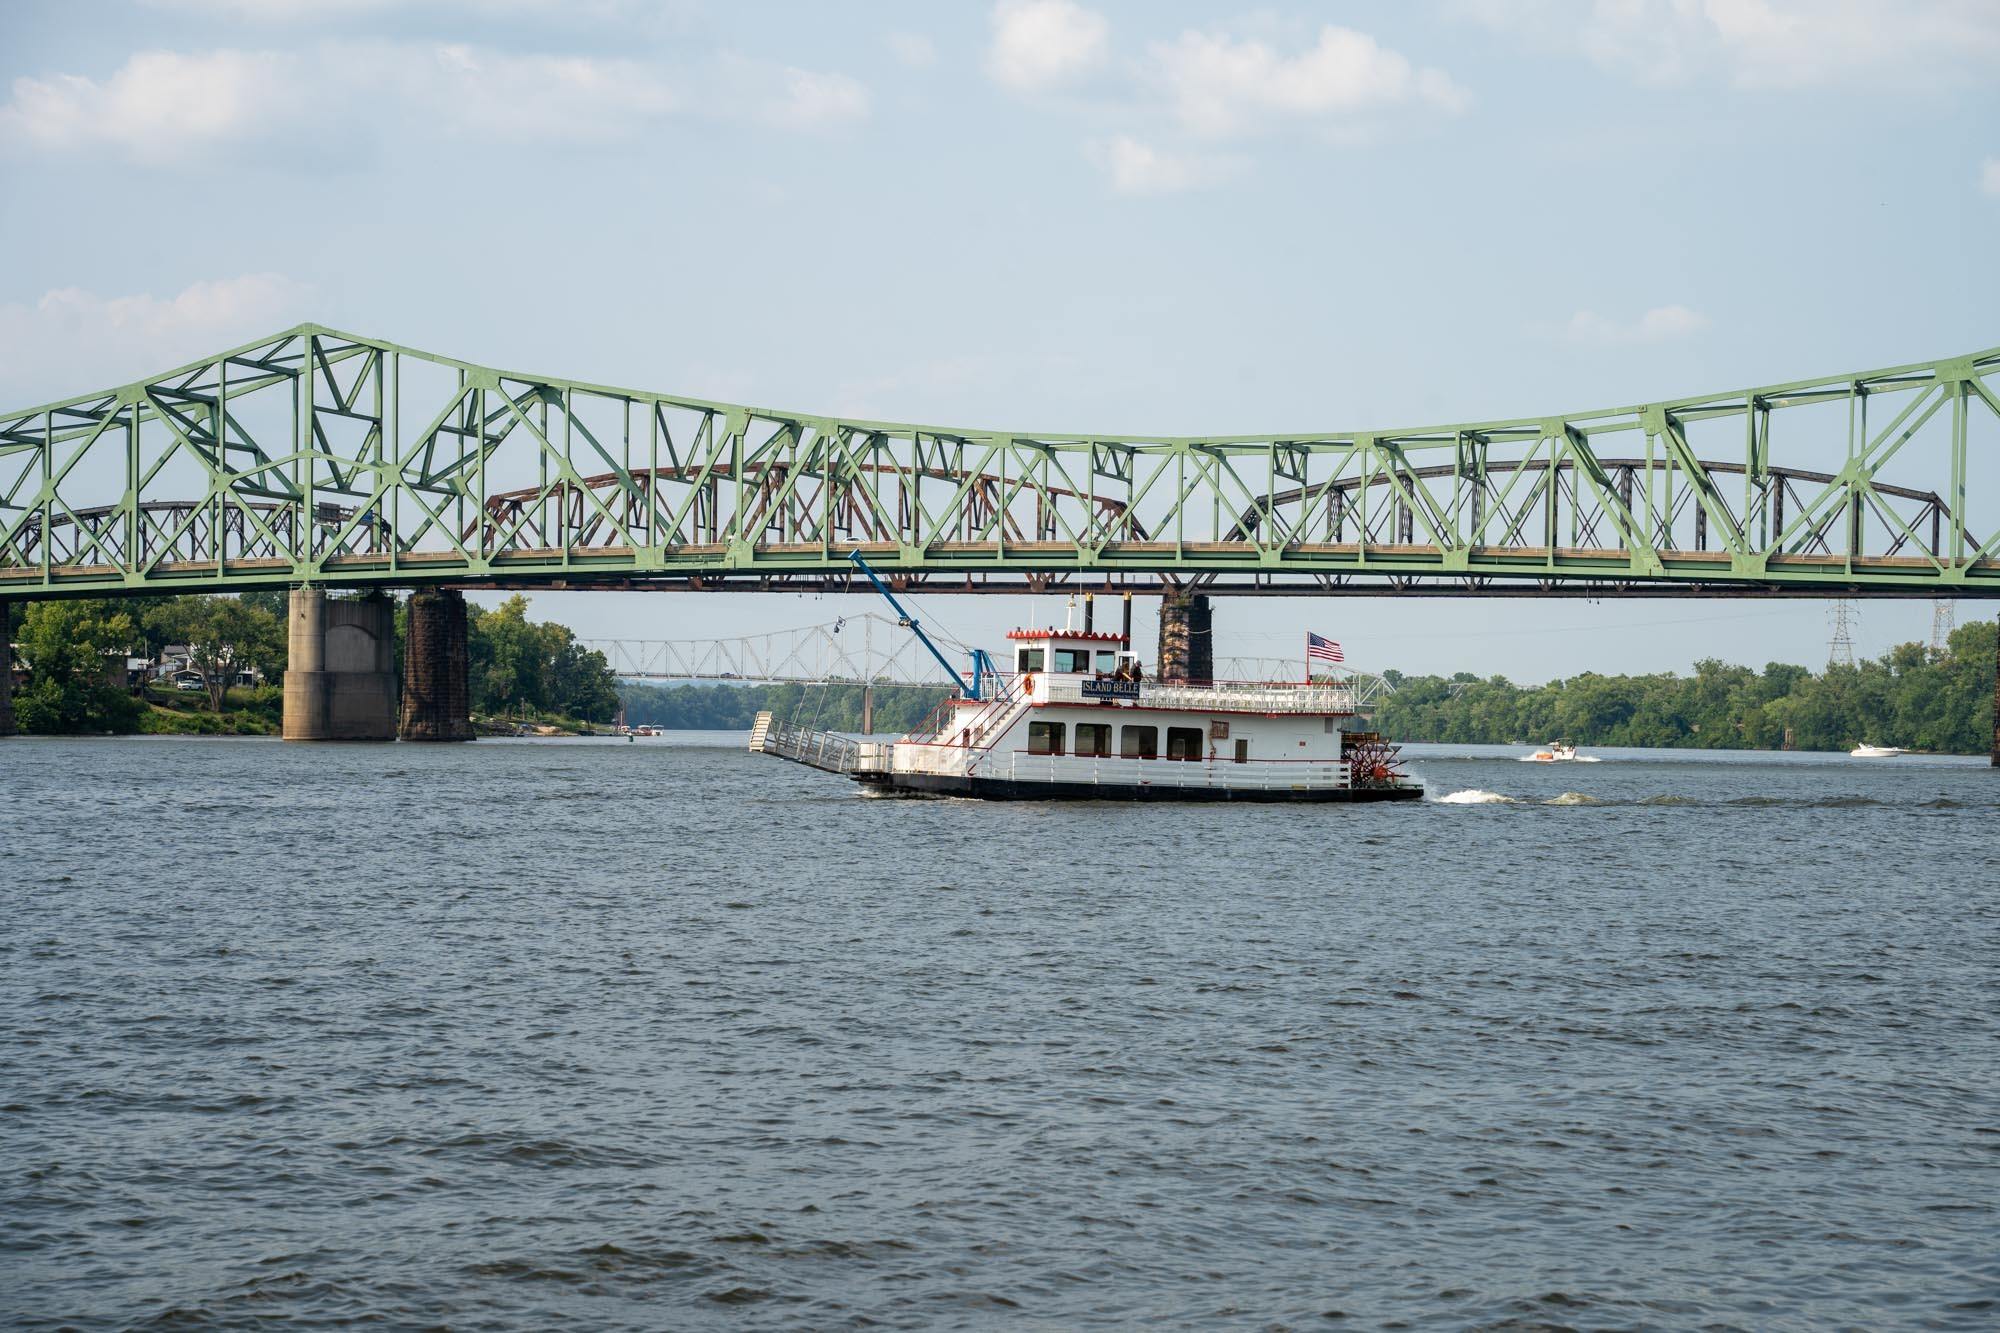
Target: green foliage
(75, 654)
(523, 668)
(518, 667)
(224, 635)
(1911, 697)
(898, 708)
(247, 712)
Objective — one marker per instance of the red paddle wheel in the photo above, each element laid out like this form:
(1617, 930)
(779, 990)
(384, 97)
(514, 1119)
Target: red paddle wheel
(1373, 761)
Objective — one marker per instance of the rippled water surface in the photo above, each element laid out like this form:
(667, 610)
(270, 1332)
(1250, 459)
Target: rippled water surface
(669, 1035)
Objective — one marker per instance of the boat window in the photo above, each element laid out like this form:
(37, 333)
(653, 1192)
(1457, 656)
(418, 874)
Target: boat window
(1028, 659)
(1093, 738)
(1242, 751)
(1072, 659)
(1045, 738)
(1141, 743)
(1183, 742)
(1107, 661)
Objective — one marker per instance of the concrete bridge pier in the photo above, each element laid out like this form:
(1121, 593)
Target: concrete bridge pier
(437, 692)
(340, 684)
(1187, 637)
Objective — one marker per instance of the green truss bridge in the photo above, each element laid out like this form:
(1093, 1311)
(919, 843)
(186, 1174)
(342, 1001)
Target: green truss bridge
(316, 457)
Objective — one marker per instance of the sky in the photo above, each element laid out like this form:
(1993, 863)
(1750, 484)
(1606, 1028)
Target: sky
(1169, 217)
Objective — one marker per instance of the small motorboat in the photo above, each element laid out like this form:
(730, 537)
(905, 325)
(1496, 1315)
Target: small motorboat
(1555, 752)
(1875, 752)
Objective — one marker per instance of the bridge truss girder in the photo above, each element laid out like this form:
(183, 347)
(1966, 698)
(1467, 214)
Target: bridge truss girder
(322, 457)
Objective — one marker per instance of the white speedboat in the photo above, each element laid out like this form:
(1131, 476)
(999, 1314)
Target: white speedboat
(1875, 752)
(1556, 752)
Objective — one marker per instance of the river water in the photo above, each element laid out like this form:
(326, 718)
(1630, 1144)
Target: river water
(669, 1035)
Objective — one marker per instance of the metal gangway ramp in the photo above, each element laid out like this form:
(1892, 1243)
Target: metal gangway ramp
(826, 750)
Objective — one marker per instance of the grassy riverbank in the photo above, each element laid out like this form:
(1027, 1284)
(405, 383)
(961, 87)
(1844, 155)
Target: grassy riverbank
(256, 711)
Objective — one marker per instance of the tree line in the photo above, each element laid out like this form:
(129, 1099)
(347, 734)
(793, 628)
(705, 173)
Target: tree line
(74, 654)
(1910, 697)
(524, 668)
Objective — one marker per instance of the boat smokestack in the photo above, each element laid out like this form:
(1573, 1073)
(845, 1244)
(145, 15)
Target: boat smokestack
(1125, 634)
(1089, 612)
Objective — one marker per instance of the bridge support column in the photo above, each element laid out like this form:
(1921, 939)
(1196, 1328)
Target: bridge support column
(437, 693)
(340, 682)
(868, 711)
(1187, 638)
(7, 668)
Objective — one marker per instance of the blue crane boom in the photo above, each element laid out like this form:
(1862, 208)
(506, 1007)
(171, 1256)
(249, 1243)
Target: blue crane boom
(982, 665)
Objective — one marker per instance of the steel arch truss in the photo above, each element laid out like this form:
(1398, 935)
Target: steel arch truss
(865, 648)
(318, 456)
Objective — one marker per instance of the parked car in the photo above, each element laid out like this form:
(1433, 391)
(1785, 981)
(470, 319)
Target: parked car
(190, 682)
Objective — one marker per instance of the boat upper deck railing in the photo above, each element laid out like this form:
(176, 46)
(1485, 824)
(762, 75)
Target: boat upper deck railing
(1221, 696)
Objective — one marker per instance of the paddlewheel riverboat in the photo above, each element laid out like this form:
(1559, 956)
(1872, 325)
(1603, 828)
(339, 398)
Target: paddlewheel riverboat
(1077, 719)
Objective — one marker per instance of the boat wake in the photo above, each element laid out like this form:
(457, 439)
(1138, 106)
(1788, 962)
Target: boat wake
(1475, 796)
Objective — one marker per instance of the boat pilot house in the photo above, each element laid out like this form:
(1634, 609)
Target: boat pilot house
(1079, 717)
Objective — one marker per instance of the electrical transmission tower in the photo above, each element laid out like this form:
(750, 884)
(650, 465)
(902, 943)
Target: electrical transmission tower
(1841, 651)
(1944, 619)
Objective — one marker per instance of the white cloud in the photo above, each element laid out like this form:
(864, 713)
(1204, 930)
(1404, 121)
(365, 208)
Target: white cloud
(532, 97)
(1042, 43)
(72, 341)
(1135, 167)
(311, 11)
(815, 101)
(1222, 86)
(158, 103)
(913, 49)
(1660, 324)
(274, 11)
(165, 106)
(782, 97)
(1764, 43)
(1989, 176)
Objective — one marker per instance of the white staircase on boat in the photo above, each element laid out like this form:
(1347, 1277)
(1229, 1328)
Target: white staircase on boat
(994, 722)
(960, 737)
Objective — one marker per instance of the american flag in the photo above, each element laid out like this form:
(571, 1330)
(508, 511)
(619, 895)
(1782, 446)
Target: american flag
(1320, 649)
